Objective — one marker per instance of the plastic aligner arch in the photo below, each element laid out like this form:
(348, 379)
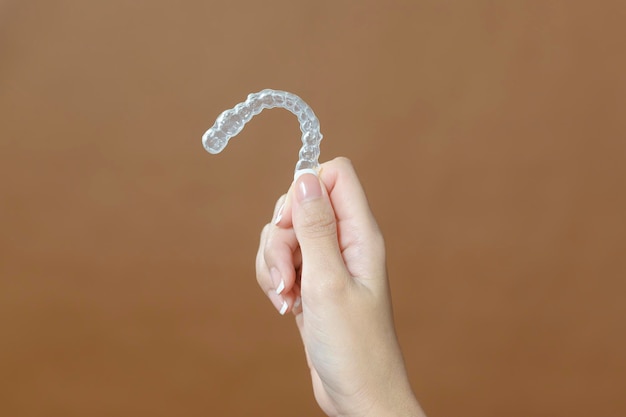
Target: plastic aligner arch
(232, 121)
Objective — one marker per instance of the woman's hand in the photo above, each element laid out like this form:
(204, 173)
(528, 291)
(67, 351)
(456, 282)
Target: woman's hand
(323, 259)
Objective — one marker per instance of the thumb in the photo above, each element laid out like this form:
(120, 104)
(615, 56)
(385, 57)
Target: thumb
(315, 227)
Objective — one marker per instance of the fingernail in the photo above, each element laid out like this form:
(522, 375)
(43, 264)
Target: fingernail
(279, 213)
(283, 308)
(280, 287)
(297, 303)
(308, 187)
(279, 302)
(301, 172)
(277, 280)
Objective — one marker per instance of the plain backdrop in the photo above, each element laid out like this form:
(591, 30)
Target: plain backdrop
(490, 138)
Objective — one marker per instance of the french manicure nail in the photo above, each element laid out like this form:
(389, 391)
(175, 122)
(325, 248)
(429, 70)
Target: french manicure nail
(301, 172)
(280, 287)
(308, 187)
(283, 308)
(277, 279)
(278, 301)
(279, 213)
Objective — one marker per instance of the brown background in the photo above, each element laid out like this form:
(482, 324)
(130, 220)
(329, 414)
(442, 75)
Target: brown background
(490, 137)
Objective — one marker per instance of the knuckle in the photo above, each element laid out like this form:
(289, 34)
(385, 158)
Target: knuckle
(276, 250)
(264, 233)
(259, 279)
(319, 224)
(260, 261)
(343, 161)
(269, 251)
(260, 270)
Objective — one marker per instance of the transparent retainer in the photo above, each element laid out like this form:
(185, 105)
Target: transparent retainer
(232, 121)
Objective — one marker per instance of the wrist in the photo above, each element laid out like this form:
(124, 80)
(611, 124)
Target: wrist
(398, 400)
(406, 407)
(399, 407)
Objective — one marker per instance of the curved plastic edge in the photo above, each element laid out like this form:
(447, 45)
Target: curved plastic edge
(205, 143)
(301, 172)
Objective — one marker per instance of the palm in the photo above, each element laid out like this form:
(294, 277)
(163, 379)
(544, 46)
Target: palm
(324, 400)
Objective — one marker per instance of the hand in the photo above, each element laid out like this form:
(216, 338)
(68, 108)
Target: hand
(323, 259)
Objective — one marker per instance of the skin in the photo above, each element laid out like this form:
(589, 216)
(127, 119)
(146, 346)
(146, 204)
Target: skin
(325, 254)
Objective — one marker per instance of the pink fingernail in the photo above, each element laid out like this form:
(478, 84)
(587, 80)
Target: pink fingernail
(278, 301)
(283, 308)
(279, 214)
(277, 280)
(308, 187)
(280, 287)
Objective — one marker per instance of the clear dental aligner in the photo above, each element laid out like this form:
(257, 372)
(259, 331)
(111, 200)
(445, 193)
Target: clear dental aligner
(231, 122)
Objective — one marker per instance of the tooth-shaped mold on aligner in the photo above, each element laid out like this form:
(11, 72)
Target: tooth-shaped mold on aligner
(232, 121)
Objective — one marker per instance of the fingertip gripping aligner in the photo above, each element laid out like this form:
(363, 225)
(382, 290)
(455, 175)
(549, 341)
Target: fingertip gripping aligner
(232, 121)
